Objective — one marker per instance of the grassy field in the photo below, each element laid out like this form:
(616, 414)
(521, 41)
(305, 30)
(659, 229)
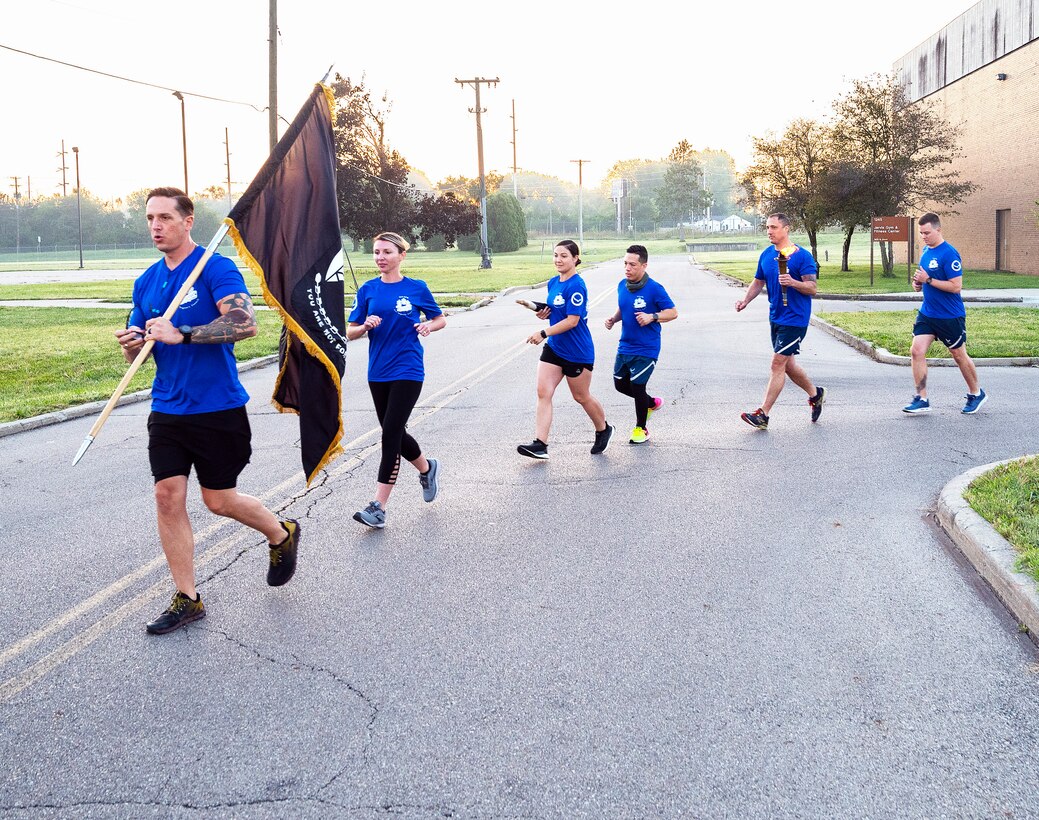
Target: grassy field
(1008, 498)
(51, 359)
(991, 332)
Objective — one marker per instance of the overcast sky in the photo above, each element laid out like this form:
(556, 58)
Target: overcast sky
(589, 82)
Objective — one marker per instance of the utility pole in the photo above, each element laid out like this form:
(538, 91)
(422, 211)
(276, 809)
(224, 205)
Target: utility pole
(514, 190)
(227, 151)
(63, 169)
(272, 74)
(476, 82)
(17, 219)
(79, 208)
(580, 198)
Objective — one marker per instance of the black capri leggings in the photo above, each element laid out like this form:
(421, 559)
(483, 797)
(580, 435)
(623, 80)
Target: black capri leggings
(394, 402)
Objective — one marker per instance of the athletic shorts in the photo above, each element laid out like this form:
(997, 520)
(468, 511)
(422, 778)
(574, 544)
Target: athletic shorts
(570, 369)
(786, 340)
(636, 369)
(950, 332)
(217, 445)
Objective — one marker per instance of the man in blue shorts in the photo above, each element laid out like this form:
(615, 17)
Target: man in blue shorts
(790, 309)
(642, 305)
(941, 316)
(198, 416)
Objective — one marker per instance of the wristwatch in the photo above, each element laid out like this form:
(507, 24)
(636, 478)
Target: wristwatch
(928, 280)
(544, 335)
(185, 332)
(656, 317)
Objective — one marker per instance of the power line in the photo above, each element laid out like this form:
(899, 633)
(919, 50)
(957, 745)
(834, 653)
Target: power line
(130, 80)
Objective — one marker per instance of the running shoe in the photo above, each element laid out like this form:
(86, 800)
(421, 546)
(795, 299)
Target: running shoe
(974, 403)
(816, 402)
(181, 611)
(657, 404)
(283, 556)
(756, 419)
(917, 405)
(372, 516)
(640, 435)
(429, 482)
(602, 440)
(536, 449)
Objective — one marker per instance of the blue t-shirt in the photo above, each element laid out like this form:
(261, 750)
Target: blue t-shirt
(570, 298)
(638, 340)
(942, 262)
(394, 349)
(798, 310)
(190, 379)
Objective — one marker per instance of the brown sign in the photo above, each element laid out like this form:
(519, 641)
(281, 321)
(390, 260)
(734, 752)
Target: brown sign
(891, 228)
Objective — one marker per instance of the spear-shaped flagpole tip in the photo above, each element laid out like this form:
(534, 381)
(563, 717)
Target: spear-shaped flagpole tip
(83, 449)
(324, 80)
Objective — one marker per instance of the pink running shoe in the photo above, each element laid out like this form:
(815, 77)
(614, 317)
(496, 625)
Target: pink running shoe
(657, 404)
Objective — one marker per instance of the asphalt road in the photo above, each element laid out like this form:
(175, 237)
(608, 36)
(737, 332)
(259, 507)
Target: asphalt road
(722, 623)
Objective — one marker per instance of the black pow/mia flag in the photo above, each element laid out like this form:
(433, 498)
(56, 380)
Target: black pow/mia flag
(286, 228)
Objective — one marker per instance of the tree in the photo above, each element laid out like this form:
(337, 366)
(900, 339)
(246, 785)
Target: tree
(903, 156)
(506, 225)
(787, 176)
(681, 193)
(445, 217)
(371, 177)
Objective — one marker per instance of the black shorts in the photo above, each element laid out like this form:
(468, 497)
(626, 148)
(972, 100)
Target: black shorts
(218, 445)
(570, 369)
(950, 332)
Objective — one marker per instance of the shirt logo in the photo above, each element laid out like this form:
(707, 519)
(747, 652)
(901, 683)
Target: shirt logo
(559, 301)
(403, 305)
(933, 265)
(639, 303)
(956, 266)
(577, 300)
(355, 302)
(191, 299)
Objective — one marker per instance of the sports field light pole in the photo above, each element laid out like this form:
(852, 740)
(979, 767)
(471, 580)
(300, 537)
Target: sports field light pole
(184, 139)
(580, 199)
(79, 208)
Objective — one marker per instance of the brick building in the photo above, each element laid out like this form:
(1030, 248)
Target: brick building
(981, 72)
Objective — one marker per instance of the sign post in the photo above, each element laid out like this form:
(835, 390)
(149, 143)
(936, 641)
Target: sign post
(891, 229)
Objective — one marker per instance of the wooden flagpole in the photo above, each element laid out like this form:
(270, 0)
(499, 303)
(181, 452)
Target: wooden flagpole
(146, 350)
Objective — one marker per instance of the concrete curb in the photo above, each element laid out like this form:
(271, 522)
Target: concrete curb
(990, 553)
(883, 356)
(10, 428)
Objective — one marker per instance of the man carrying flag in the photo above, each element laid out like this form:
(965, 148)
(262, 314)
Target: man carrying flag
(198, 416)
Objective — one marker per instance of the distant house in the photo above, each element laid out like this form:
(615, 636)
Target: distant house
(735, 223)
(707, 225)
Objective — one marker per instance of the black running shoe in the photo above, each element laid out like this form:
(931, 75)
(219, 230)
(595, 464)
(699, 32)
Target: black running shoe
(181, 611)
(816, 402)
(756, 419)
(283, 555)
(602, 440)
(536, 449)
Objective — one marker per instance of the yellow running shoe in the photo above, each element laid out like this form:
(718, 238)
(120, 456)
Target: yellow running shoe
(640, 435)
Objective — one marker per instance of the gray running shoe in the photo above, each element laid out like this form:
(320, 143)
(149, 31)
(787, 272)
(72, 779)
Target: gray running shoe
(429, 482)
(372, 516)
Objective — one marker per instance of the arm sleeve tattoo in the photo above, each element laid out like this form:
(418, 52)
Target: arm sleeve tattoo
(236, 322)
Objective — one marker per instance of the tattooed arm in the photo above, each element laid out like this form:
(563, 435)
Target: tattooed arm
(237, 321)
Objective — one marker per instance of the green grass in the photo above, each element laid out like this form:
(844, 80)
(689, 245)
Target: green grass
(1008, 498)
(991, 332)
(51, 359)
